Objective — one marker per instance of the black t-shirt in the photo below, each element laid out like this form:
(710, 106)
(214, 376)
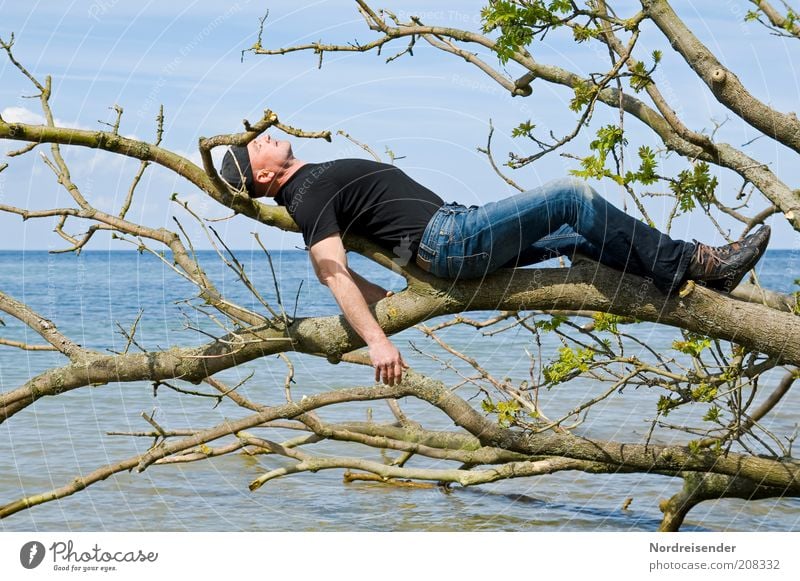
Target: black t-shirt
(359, 196)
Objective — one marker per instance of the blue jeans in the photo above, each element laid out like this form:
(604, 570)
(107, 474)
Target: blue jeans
(560, 218)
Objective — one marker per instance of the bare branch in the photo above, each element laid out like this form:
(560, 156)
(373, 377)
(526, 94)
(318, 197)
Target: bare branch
(26, 346)
(724, 84)
(362, 145)
(308, 463)
(780, 25)
(663, 122)
(488, 152)
(44, 327)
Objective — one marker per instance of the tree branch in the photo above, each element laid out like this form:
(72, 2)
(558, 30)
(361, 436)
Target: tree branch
(44, 327)
(724, 84)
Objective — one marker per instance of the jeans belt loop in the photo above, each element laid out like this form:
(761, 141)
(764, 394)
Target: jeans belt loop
(433, 226)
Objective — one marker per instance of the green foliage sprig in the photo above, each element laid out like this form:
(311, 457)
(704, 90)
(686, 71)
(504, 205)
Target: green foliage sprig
(571, 362)
(507, 411)
(695, 185)
(519, 23)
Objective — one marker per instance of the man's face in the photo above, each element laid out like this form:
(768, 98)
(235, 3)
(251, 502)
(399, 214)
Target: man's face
(269, 154)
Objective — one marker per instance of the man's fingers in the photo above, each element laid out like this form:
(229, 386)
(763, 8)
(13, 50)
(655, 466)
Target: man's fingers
(383, 373)
(388, 364)
(388, 377)
(390, 373)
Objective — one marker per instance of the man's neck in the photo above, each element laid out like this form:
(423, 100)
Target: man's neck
(284, 176)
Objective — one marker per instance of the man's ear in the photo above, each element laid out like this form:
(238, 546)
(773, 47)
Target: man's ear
(264, 176)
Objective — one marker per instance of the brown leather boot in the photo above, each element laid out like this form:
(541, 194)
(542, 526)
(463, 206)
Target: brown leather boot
(723, 267)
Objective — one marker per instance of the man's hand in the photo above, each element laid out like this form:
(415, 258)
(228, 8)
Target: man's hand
(387, 361)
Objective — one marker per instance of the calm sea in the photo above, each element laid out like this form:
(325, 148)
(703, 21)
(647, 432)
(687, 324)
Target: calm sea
(48, 444)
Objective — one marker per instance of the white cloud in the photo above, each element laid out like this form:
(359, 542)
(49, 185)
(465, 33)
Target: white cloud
(23, 115)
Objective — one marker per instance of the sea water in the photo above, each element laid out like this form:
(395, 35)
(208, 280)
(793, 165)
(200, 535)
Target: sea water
(92, 296)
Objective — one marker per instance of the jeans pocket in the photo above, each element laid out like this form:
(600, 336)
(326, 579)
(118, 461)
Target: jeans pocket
(469, 266)
(426, 252)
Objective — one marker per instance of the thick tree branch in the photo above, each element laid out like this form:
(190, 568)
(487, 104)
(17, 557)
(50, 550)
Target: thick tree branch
(572, 452)
(309, 463)
(724, 84)
(584, 287)
(699, 487)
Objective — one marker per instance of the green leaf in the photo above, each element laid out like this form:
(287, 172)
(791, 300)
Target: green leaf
(693, 345)
(507, 412)
(667, 404)
(519, 22)
(524, 129)
(551, 325)
(584, 93)
(608, 138)
(646, 174)
(606, 322)
(704, 393)
(584, 33)
(640, 77)
(751, 15)
(712, 415)
(695, 185)
(571, 362)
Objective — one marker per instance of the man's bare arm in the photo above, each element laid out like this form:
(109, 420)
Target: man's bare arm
(330, 264)
(372, 292)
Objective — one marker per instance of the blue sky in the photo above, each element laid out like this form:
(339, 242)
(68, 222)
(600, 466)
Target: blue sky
(431, 108)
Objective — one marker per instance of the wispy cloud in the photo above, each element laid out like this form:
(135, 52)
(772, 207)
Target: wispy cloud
(24, 115)
(21, 115)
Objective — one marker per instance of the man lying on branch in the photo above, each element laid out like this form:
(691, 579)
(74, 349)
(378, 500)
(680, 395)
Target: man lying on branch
(380, 202)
